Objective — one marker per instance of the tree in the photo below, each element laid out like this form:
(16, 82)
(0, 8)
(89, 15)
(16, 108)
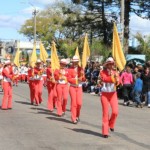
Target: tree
(140, 8)
(144, 44)
(95, 18)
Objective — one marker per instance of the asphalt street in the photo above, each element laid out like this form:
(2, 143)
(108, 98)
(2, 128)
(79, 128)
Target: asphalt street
(28, 127)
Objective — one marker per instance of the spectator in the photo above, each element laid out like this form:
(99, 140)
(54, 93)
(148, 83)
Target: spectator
(146, 85)
(137, 90)
(127, 82)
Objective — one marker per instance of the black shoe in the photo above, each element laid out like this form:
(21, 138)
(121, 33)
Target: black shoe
(111, 129)
(105, 136)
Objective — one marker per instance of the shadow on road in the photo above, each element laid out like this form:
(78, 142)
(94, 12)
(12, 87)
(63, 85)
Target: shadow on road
(44, 111)
(87, 132)
(59, 119)
(25, 103)
(126, 138)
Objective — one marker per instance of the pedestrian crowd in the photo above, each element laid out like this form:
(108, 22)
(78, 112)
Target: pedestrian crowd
(134, 87)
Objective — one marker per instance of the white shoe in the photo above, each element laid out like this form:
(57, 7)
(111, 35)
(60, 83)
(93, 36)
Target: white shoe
(148, 105)
(125, 103)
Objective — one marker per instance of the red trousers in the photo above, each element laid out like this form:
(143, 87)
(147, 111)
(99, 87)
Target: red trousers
(7, 98)
(38, 84)
(15, 81)
(108, 120)
(23, 77)
(32, 91)
(51, 87)
(44, 79)
(76, 101)
(62, 95)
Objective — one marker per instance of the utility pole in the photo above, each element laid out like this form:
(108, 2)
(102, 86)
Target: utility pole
(122, 21)
(34, 14)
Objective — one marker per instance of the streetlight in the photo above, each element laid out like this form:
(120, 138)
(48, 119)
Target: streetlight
(34, 13)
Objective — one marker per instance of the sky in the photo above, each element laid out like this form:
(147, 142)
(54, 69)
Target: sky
(13, 14)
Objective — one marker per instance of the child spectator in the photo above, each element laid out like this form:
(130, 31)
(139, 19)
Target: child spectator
(137, 90)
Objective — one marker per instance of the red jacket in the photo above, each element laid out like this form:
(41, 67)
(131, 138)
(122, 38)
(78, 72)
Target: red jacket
(58, 74)
(7, 73)
(75, 72)
(107, 78)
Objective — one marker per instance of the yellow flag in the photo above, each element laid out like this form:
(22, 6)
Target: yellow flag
(33, 58)
(117, 51)
(77, 54)
(16, 59)
(86, 52)
(43, 53)
(54, 57)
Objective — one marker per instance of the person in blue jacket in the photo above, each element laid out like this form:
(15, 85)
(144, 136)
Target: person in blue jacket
(137, 90)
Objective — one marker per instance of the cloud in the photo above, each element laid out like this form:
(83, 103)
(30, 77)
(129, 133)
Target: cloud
(138, 24)
(30, 9)
(46, 2)
(11, 21)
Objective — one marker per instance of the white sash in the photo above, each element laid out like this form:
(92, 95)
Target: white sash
(108, 87)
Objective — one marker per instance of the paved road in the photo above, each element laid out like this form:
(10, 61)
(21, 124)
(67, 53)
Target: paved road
(29, 127)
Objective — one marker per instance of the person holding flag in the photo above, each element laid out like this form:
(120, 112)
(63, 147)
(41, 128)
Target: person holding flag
(75, 78)
(31, 83)
(110, 79)
(51, 82)
(62, 88)
(38, 82)
(51, 87)
(7, 86)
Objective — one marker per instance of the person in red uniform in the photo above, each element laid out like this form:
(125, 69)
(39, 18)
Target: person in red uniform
(31, 83)
(16, 75)
(7, 86)
(62, 87)
(75, 78)
(38, 82)
(51, 87)
(109, 79)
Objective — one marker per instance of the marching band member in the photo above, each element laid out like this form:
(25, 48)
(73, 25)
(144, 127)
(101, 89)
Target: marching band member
(7, 86)
(38, 82)
(16, 75)
(51, 87)
(44, 74)
(1, 76)
(31, 83)
(62, 87)
(75, 78)
(23, 72)
(110, 79)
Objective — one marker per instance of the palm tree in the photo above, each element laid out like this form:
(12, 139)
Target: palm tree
(144, 44)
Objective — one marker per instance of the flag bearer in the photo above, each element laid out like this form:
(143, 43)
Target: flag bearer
(31, 83)
(7, 86)
(51, 87)
(75, 78)
(110, 79)
(38, 82)
(62, 87)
